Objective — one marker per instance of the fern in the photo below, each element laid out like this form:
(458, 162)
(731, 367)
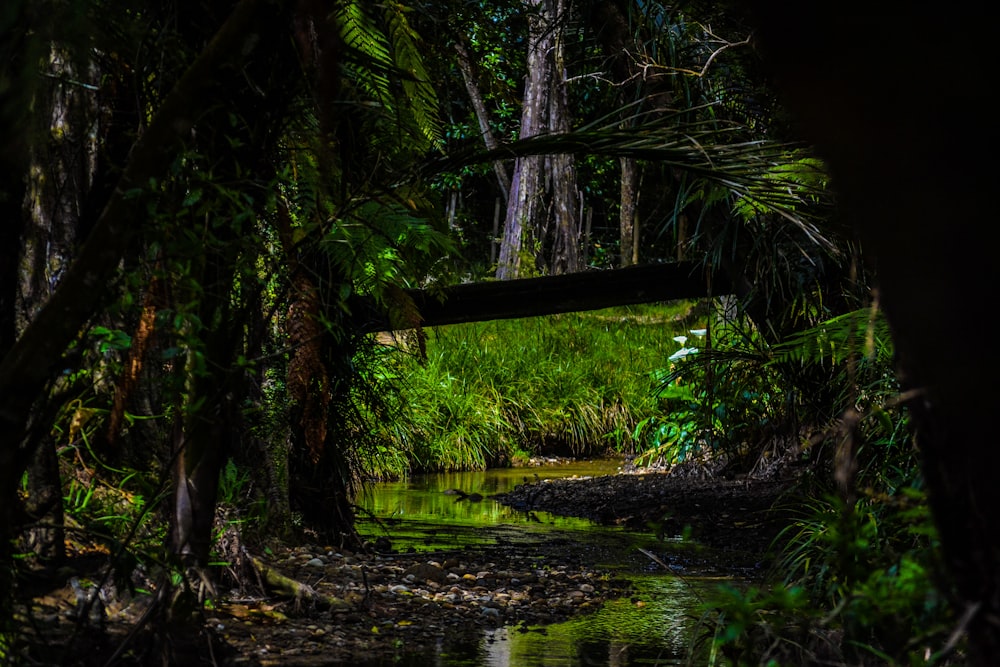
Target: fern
(383, 60)
(382, 241)
(804, 179)
(368, 60)
(417, 88)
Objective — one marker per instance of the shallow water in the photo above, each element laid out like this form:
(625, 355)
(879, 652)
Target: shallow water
(652, 626)
(418, 515)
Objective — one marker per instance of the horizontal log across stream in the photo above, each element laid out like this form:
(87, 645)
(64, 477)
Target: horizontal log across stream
(531, 297)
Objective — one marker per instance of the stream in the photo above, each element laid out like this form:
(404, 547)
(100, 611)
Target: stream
(652, 626)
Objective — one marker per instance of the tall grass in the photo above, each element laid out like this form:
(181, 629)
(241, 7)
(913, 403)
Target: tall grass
(491, 393)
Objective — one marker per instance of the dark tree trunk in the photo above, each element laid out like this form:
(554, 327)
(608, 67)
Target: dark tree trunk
(909, 135)
(19, 55)
(547, 295)
(62, 158)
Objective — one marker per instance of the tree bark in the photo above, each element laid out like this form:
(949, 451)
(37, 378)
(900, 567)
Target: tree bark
(524, 205)
(60, 175)
(562, 170)
(630, 181)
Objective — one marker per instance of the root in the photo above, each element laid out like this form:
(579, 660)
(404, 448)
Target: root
(301, 592)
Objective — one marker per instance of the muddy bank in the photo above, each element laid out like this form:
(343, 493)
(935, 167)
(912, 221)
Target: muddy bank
(737, 518)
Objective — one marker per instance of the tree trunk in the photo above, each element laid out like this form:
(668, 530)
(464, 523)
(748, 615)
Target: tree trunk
(60, 175)
(31, 362)
(206, 420)
(545, 295)
(524, 206)
(630, 181)
(566, 241)
(482, 117)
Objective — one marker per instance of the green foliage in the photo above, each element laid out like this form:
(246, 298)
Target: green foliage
(866, 569)
(671, 436)
(857, 585)
(385, 242)
(805, 177)
(111, 508)
(233, 485)
(758, 626)
(490, 392)
(716, 401)
(741, 399)
(383, 51)
(862, 334)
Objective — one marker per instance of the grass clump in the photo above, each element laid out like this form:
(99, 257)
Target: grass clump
(577, 384)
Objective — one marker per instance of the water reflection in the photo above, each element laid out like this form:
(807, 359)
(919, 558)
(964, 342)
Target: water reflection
(652, 626)
(418, 515)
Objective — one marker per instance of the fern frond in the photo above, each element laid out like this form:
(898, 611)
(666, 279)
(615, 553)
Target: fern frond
(417, 88)
(368, 59)
(378, 243)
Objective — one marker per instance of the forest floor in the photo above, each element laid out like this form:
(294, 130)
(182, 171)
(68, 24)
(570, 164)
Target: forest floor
(318, 605)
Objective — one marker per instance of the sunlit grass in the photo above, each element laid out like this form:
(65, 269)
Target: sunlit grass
(489, 393)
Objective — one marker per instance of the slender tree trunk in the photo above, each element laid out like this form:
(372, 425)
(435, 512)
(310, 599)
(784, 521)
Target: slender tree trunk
(524, 204)
(495, 235)
(630, 181)
(482, 116)
(682, 233)
(566, 241)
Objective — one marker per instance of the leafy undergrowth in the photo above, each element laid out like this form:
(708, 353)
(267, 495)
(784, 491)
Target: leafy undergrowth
(491, 393)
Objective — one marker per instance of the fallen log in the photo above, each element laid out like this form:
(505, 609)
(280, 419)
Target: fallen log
(531, 297)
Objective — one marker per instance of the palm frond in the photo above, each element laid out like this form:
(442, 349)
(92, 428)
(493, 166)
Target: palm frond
(755, 172)
(860, 333)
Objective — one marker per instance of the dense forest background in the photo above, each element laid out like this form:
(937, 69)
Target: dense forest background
(198, 196)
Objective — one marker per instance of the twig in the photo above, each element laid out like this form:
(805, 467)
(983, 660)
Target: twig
(666, 567)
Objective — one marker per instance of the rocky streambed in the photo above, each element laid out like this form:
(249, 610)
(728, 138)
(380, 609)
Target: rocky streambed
(319, 605)
(737, 519)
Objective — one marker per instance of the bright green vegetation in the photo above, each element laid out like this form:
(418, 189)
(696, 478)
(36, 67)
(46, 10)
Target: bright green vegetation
(493, 393)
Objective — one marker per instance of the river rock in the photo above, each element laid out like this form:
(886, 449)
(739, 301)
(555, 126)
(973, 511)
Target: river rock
(426, 572)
